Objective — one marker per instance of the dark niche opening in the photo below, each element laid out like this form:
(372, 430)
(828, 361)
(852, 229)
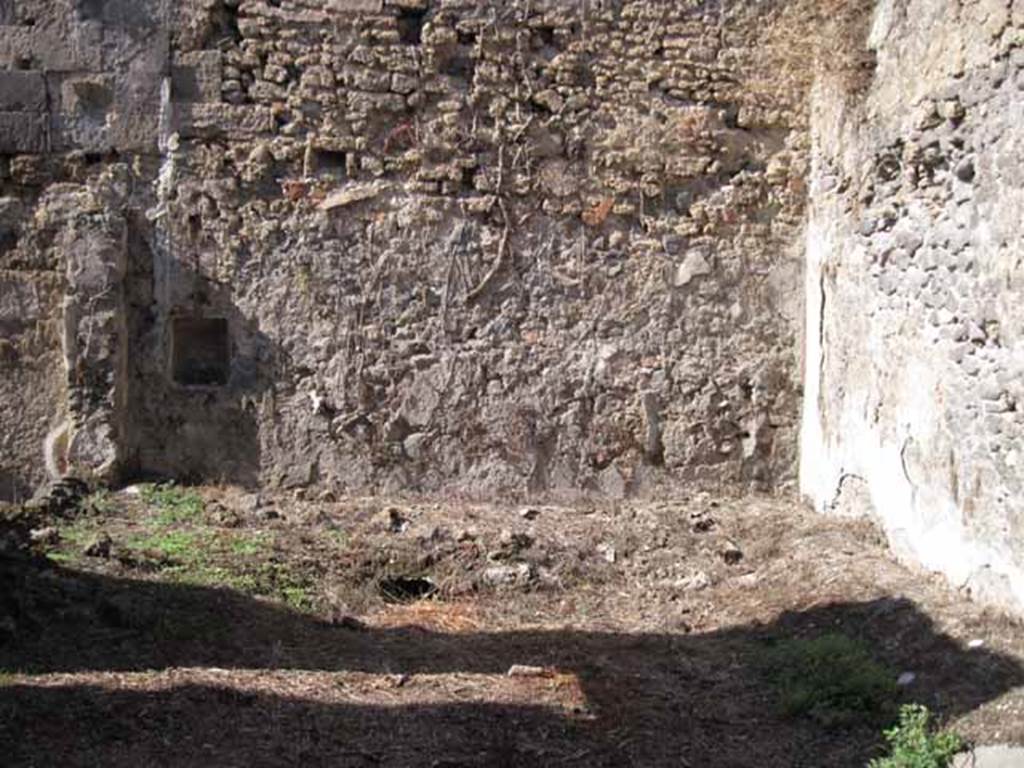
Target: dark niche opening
(406, 589)
(331, 163)
(185, 84)
(94, 99)
(223, 29)
(469, 177)
(546, 36)
(410, 25)
(200, 351)
(8, 239)
(461, 66)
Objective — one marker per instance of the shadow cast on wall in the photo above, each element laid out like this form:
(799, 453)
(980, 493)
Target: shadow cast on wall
(198, 370)
(650, 699)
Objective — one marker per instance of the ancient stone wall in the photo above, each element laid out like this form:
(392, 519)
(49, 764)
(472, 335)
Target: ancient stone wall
(914, 399)
(465, 246)
(523, 247)
(79, 116)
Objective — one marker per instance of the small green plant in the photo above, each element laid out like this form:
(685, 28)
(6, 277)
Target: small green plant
(278, 581)
(203, 574)
(77, 533)
(831, 679)
(249, 546)
(174, 545)
(75, 536)
(193, 558)
(297, 598)
(100, 501)
(173, 503)
(913, 743)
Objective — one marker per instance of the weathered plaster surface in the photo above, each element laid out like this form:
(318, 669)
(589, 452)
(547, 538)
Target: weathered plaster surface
(914, 397)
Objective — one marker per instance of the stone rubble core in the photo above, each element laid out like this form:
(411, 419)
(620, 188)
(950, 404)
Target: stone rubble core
(511, 248)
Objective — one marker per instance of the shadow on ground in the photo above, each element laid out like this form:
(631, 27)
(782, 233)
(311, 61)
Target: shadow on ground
(648, 699)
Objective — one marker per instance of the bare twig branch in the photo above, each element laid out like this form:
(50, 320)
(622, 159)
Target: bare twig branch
(499, 260)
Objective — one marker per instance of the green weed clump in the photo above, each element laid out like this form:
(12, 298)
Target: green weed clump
(831, 679)
(173, 503)
(182, 546)
(200, 558)
(913, 743)
(249, 546)
(100, 502)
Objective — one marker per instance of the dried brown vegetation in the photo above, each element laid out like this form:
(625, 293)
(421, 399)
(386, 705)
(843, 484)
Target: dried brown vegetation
(589, 635)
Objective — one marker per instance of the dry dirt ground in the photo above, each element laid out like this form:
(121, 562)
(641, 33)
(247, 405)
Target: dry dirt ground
(211, 627)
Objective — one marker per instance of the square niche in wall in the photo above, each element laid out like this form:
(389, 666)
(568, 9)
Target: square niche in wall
(200, 351)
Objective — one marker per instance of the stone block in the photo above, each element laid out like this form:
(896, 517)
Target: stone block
(82, 121)
(210, 120)
(48, 51)
(357, 6)
(137, 52)
(22, 92)
(131, 14)
(1002, 756)
(23, 132)
(197, 77)
(135, 128)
